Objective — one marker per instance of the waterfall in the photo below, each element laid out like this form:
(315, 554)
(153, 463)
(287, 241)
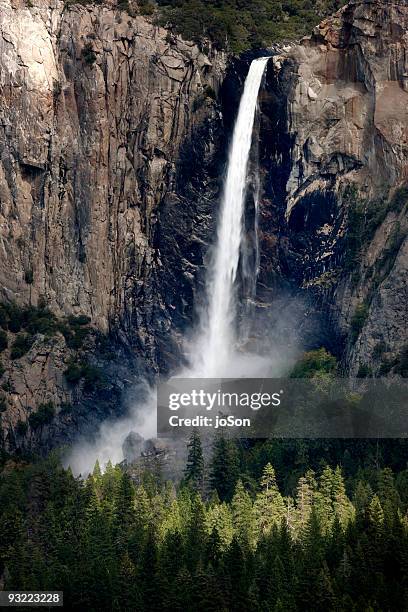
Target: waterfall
(218, 334)
(213, 349)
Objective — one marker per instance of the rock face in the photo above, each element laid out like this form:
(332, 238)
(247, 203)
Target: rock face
(113, 137)
(334, 159)
(108, 131)
(95, 109)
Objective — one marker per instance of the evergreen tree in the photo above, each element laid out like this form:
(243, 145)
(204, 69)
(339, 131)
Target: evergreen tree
(342, 506)
(224, 468)
(269, 507)
(363, 494)
(304, 500)
(194, 472)
(243, 517)
(196, 535)
(111, 545)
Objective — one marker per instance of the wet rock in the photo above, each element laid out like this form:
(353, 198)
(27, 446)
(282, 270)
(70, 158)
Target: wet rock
(335, 116)
(132, 446)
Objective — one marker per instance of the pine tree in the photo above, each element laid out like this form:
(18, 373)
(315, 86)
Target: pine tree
(362, 496)
(276, 588)
(304, 500)
(224, 468)
(110, 480)
(269, 507)
(343, 508)
(128, 594)
(243, 517)
(388, 494)
(150, 579)
(312, 559)
(324, 499)
(376, 514)
(123, 511)
(236, 567)
(324, 598)
(219, 519)
(194, 471)
(196, 534)
(97, 473)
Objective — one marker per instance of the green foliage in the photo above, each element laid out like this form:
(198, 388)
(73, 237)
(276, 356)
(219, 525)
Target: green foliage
(358, 320)
(314, 362)
(2, 369)
(40, 320)
(3, 403)
(31, 318)
(88, 54)
(399, 200)
(364, 217)
(66, 408)
(379, 350)
(21, 428)
(78, 321)
(224, 469)
(123, 5)
(194, 472)
(364, 371)
(21, 345)
(401, 363)
(77, 371)
(75, 336)
(146, 7)
(56, 89)
(43, 416)
(389, 254)
(210, 92)
(3, 341)
(110, 544)
(29, 277)
(73, 373)
(7, 386)
(243, 24)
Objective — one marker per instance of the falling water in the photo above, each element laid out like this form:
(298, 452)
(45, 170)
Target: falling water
(218, 335)
(213, 350)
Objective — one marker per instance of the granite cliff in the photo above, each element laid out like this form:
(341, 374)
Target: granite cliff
(334, 161)
(108, 131)
(113, 136)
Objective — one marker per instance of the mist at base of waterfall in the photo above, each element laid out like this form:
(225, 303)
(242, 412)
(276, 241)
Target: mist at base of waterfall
(107, 444)
(216, 348)
(273, 360)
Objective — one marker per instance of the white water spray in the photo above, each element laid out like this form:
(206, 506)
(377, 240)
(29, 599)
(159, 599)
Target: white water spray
(213, 349)
(218, 336)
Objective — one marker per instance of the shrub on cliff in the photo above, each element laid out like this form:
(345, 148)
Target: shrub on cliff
(40, 320)
(3, 403)
(244, 24)
(35, 319)
(3, 341)
(21, 428)
(44, 415)
(314, 362)
(77, 371)
(21, 345)
(402, 363)
(358, 320)
(88, 54)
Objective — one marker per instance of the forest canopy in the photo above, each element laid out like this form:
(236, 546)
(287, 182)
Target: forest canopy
(243, 24)
(240, 532)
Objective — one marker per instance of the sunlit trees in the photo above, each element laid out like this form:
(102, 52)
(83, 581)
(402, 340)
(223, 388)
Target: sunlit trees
(120, 540)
